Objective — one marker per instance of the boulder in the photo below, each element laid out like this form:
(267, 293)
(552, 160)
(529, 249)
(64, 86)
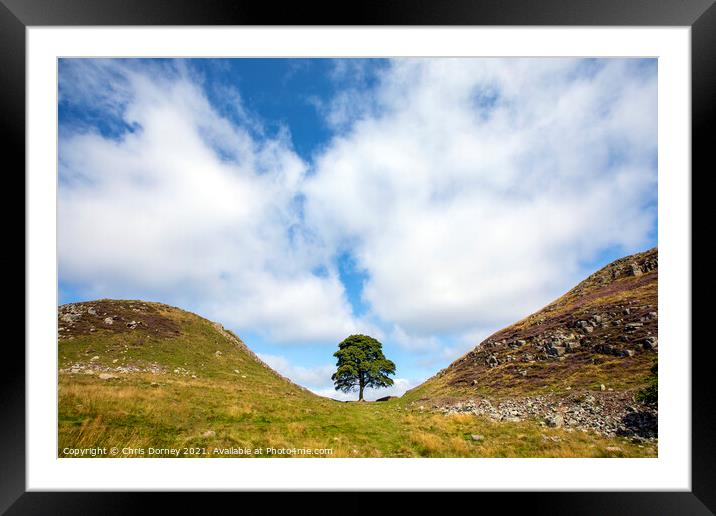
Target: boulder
(554, 421)
(635, 270)
(649, 343)
(555, 351)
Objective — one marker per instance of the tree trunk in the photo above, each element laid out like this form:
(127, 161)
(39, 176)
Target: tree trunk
(361, 384)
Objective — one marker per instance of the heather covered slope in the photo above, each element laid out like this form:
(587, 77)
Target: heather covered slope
(597, 342)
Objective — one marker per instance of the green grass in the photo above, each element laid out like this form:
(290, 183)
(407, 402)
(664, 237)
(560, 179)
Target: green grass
(256, 409)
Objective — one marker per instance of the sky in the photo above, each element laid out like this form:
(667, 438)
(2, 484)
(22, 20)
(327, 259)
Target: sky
(425, 202)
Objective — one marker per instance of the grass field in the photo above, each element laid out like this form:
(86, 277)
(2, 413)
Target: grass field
(201, 392)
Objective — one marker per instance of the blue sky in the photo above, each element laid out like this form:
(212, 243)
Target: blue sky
(427, 202)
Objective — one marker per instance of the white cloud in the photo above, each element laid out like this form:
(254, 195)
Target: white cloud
(413, 342)
(482, 185)
(318, 376)
(190, 209)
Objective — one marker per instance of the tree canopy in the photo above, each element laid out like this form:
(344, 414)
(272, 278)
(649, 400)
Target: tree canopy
(361, 364)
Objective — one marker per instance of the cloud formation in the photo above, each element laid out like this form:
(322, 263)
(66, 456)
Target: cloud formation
(482, 185)
(190, 207)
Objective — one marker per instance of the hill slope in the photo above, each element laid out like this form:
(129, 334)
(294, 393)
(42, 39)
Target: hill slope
(600, 338)
(138, 336)
(150, 380)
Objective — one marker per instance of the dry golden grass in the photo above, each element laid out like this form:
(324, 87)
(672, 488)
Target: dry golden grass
(256, 409)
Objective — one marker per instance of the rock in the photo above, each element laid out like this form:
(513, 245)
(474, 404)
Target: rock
(154, 384)
(635, 270)
(108, 321)
(107, 376)
(553, 350)
(115, 360)
(613, 449)
(649, 343)
(96, 357)
(218, 353)
(555, 421)
(209, 433)
(602, 387)
(474, 382)
(477, 437)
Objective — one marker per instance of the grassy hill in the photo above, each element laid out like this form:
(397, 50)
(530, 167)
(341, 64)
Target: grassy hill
(137, 376)
(583, 358)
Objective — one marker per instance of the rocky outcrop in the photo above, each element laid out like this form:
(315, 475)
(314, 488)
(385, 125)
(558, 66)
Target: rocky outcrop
(607, 413)
(105, 315)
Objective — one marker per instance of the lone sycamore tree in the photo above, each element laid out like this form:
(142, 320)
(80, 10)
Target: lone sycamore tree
(361, 364)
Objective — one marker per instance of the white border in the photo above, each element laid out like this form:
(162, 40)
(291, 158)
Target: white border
(671, 470)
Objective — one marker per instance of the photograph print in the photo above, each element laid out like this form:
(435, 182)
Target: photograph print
(357, 258)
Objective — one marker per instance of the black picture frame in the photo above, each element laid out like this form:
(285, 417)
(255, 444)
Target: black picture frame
(700, 15)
